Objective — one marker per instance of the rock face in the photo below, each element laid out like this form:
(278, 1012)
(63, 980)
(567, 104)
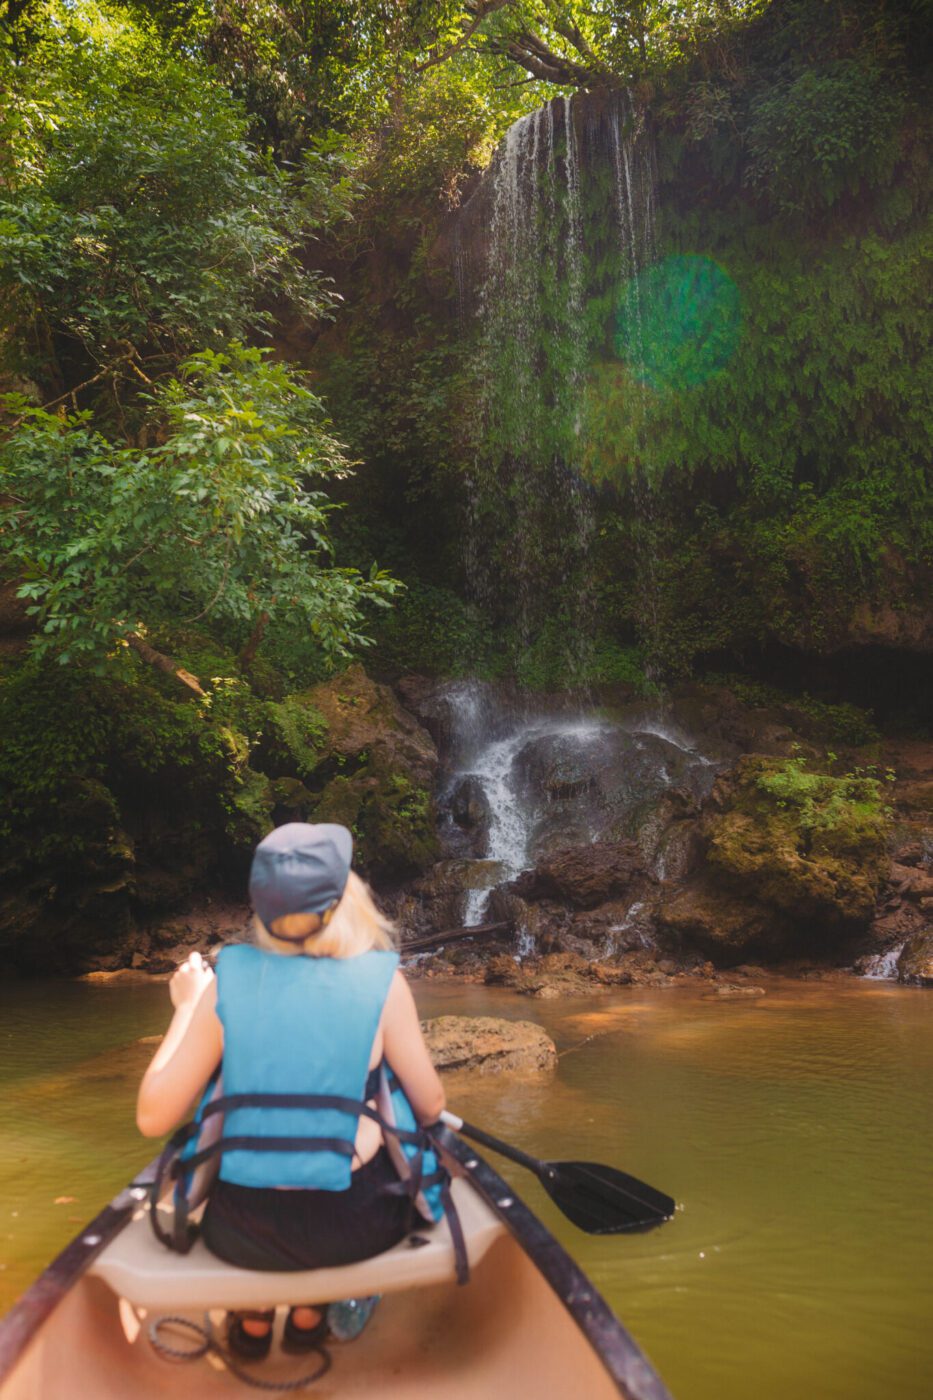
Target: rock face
(488, 1045)
(434, 902)
(583, 876)
(363, 716)
(915, 965)
(373, 767)
(792, 857)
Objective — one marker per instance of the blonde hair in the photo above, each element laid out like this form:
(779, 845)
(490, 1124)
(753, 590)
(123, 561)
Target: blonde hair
(356, 926)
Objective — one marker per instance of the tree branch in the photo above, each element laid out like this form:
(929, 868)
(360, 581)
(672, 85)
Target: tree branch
(571, 32)
(161, 662)
(479, 11)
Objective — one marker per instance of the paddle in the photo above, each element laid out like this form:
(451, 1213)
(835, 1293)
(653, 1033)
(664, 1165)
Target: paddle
(600, 1200)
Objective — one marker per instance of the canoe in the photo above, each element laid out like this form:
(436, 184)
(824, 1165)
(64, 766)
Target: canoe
(528, 1317)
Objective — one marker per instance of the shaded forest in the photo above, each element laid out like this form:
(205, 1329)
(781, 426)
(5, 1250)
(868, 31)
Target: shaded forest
(256, 427)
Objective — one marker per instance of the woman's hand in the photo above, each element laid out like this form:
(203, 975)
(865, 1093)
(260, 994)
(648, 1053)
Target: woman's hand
(189, 1054)
(189, 980)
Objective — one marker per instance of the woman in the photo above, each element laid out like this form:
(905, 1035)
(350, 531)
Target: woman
(314, 1009)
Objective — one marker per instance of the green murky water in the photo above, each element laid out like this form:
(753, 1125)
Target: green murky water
(796, 1130)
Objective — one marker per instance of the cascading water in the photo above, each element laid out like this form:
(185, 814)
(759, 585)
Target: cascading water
(564, 220)
(539, 780)
(511, 815)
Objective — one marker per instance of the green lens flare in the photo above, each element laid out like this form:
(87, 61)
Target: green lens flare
(679, 322)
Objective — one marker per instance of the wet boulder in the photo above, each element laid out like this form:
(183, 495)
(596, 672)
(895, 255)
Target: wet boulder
(582, 876)
(532, 923)
(601, 780)
(469, 805)
(915, 964)
(437, 900)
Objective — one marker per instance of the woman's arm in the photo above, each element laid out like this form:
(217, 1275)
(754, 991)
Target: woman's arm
(408, 1055)
(188, 1055)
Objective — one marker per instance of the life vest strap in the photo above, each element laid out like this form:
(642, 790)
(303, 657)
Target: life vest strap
(337, 1102)
(178, 1167)
(260, 1144)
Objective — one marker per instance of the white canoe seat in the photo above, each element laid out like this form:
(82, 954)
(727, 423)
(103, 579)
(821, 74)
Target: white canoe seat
(141, 1270)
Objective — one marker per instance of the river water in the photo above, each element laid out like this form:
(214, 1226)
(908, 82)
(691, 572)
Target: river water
(795, 1130)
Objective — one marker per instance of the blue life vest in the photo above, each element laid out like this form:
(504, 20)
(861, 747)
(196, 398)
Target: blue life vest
(297, 1025)
(283, 1108)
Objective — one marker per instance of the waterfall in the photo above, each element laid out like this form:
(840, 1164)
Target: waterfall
(567, 182)
(547, 779)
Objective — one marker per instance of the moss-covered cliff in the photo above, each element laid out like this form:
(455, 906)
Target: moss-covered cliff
(755, 471)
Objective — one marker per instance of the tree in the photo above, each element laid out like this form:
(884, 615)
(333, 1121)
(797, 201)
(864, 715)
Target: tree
(137, 224)
(222, 524)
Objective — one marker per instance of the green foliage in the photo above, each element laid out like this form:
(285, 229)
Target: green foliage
(823, 131)
(300, 733)
(561, 656)
(218, 523)
(822, 803)
(136, 223)
(768, 485)
(679, 323)
(840, 724)
(433, 632)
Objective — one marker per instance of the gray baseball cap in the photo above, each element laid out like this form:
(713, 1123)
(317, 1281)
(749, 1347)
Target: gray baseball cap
(300, 868)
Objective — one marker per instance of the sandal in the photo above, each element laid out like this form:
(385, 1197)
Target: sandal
(245, 1344)
(297, 1339)
(348, 1317)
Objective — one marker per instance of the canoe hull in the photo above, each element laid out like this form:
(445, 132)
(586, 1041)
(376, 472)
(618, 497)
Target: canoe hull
(528, 1318)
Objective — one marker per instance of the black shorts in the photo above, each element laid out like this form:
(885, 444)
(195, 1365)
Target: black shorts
(261, 1227)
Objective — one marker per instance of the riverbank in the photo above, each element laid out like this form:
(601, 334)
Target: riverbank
(718, 825)
(542, 977)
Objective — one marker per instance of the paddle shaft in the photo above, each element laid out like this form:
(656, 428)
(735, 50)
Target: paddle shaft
(505, 1149)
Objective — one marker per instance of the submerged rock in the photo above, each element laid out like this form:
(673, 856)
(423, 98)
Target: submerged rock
(488, 1045)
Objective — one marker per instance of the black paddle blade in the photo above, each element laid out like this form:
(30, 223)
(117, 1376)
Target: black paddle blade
(602, 1200)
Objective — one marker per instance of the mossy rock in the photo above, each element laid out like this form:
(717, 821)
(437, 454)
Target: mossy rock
(915, 964)
(398, 828)
(293, 798)
(804, 843)
(392, 821)
(295, 741)
(248, 801)
(343, 800)
(366, 724)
